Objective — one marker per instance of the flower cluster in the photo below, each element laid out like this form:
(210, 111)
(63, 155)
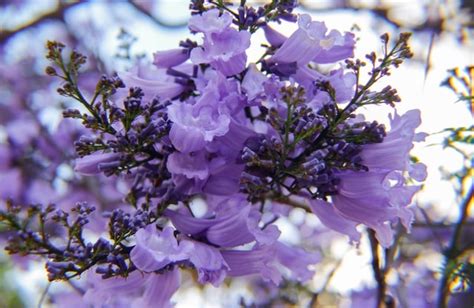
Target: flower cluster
(202, 124)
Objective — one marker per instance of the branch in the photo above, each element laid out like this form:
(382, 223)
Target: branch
(291, 202)
(439, 225)
(58, 13)
(379, 273)
(382, 12)
(156, 20)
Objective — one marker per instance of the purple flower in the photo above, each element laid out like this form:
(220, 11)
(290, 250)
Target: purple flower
(230, 230)
(90, 164)
(15, 184)
(296, 260)
(230, 145)
(275, 38)
(159, 290)
(236, 227)
(186, 223)
(336, 47)
(192, 165)
(224, 179)
(329, 216)
(196, 171)
(197, 123)
(209, 134)
(364, 298)
(135, 290)
(392, 153)
(224, 51)
(253, 82)
(69, 299)
(417, 171)
(41, 191)
(170, 58)
(103, 292)
(311, 43)
(223, 47)
(211, 21)
(260, 260)
(22, 130)
(5, 157)
(342, 82)
(235, 224)
(208, 261)
(154, 83)
(154, 250)
(194, 125)
(366, 197)
(379, 196)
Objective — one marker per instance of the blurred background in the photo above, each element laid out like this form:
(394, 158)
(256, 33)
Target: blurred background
(36, 148)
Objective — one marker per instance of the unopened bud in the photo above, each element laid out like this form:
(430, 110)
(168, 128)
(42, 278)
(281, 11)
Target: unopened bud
(51, 71)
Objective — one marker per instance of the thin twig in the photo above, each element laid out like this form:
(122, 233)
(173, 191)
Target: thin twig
(75, 287)
(452, 251)
(429, 223)
(379, 273)
(314, 298)
(428, 56)
(43, 295)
